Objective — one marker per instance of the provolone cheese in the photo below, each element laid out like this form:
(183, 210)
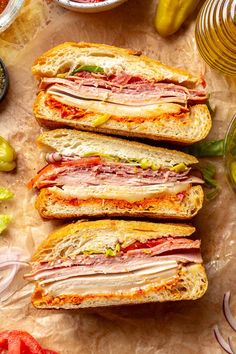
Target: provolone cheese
(132, 194)
(116, 109)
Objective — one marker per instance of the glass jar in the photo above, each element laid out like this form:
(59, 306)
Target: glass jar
(230, 152)
(216, 35)
(10, 13)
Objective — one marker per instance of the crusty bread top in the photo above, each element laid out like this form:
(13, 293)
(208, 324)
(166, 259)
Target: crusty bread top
(102, 234)
(68, 56)
(73, 142)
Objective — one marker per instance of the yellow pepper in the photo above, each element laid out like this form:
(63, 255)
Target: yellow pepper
(155, 167)
(7, 156)
(181, 167)
(171, 14)
(145, 164)
(101, 120)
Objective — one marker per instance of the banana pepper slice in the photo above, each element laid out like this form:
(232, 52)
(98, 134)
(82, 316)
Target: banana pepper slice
(7, 156)
(171, 14)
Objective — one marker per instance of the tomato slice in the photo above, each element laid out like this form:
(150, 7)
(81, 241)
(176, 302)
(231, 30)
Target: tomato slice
(148, 244)
(4, 340)
(30, 344)
(14, 344)
(19, 342)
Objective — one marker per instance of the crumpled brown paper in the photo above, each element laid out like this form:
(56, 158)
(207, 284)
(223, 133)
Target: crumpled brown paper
(169, 328)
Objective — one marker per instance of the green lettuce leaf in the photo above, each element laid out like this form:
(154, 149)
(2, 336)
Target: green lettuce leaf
(113, 252)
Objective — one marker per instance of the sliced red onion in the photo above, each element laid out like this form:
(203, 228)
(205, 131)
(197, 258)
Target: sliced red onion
(9, 257)
(7, 254)
(53, 157)
(224, 345)
(231, 345)
(227, 312)
(13, 262)
(4, 284)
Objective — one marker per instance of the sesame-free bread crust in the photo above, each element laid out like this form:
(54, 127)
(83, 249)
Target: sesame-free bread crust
(165, 122)
(67, 56)
(133, 230)
(78, 143)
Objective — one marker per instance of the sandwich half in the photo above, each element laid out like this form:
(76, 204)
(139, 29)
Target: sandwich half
(96, 87)
(115, 262)
(90, 175)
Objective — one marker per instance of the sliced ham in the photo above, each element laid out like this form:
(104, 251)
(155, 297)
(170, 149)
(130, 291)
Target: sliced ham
(122, 89)
(103, 172)
(170, 244)
(122, 263)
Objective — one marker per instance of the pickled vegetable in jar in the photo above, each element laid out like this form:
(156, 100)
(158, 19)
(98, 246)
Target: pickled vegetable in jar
(216, 35)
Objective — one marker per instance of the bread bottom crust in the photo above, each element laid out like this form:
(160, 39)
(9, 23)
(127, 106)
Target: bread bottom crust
(190, 128)
(50, 204)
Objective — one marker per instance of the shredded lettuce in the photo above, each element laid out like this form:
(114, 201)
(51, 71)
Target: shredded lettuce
(113, 252)
(143, 163)
(110, 252)
(89, 68)
(89, 252)
(5, 194)
(4, 221)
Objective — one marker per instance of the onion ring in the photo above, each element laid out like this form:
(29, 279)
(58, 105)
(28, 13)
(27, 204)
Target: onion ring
(224, 345)
(227, 312)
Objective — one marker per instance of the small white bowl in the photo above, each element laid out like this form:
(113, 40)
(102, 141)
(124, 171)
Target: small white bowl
(10, 13)
(90, 7)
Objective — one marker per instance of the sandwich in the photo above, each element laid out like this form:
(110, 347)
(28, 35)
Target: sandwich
(90, 175)
(100, 88)
(115, 262)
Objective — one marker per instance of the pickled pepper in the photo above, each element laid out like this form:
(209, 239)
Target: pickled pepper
(171, 14)
(7, 156)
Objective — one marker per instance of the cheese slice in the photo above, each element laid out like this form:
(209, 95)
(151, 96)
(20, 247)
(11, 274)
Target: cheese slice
(130, 194)
(117, 109)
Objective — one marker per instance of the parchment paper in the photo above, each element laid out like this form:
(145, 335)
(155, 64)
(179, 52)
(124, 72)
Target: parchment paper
(169, 328)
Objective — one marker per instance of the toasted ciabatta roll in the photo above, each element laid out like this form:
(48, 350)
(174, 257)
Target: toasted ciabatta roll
(94, 175)
(115, 262)
(118, 91)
